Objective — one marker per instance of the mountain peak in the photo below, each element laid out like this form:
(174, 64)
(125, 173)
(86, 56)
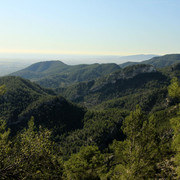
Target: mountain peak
(45, 65)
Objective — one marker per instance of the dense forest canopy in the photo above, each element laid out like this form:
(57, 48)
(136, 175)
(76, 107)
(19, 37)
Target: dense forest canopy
(122, 123)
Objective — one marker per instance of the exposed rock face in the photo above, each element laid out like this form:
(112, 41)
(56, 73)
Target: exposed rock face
(138, 70)
(127, 73)
(132, 71)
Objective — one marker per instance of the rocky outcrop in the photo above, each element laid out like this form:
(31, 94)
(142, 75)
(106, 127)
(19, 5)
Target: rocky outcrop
(126, 73)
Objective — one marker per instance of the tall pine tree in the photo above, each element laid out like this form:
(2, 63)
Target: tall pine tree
(136, 157)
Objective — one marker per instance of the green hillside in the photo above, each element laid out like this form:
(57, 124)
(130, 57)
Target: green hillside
(53, 74)
(163, 61)
(40, 69)
(134, 81)
(23, 99)
(129, 63)
(158, 62)
(130, 131)
(97, 142)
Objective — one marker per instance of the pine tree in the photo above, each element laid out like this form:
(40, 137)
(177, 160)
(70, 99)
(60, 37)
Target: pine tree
(85, 165)
(136, 157)
(174, 89)
(5, 151)
(175, 123)
(38, 155)
(2, 89)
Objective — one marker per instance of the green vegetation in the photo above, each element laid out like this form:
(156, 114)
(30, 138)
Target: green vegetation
(131, 130)
(175, 123)
(174, 89)
(158, 62)
(100, 129)
(23, 99)
(127, 64)
(163, 61)
(54, 74)
(31, 155)
(133, 81)
(87, 164)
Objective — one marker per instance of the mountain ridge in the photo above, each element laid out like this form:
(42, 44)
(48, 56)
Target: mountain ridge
(115, 85)
(23, 99)
(52, 74)
(158, 62)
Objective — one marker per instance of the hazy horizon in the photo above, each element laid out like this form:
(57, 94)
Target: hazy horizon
(89, 27)
(73, 59)
(86, 32)
(16, 62)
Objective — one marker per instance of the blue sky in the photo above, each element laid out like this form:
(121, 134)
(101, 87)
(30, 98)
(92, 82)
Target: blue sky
(90, 27)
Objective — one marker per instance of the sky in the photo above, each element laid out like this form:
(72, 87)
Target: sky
(89, 27)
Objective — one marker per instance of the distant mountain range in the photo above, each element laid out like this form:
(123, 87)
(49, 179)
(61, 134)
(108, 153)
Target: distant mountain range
(74, 59)
(56, 74)
(107, 59)
(158, 62)
(13, 64)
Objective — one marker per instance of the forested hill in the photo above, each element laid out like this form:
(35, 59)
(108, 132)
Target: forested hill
(56, 74)
(53, 74)
(66, 141)
(158, 62)
(23, 99)
(40, 69)
(140, 81)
